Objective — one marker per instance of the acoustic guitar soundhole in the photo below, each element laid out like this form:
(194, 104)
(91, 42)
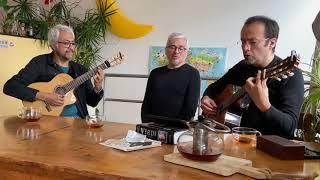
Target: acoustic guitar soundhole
(61, 90)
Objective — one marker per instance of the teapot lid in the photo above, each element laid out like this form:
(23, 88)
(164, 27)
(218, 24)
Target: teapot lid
(208, 124)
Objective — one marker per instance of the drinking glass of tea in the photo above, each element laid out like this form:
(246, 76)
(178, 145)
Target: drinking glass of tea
(245, 134)
(30, 114)
(95, 121)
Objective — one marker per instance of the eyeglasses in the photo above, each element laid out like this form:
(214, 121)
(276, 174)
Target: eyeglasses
(252, 42)
(174, 48)
(67, 44)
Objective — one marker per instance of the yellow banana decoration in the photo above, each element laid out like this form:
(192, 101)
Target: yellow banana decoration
(124, 27)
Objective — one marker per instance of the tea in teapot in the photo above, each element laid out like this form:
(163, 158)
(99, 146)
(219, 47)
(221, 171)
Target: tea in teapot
(201, 142)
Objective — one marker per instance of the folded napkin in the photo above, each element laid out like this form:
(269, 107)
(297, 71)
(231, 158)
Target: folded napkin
(133, 141)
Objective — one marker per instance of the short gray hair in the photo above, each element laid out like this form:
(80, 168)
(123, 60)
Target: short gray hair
(54, 32)
(176, 35)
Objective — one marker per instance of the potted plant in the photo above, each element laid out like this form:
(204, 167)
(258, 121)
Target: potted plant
(90, 31)
(7, 23)
(3, 10)
(310, 112)
(59, 13)
(23, 13)
(7, 20)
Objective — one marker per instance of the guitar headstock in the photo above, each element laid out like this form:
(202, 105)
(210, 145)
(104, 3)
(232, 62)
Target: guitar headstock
(284, 69)
(118, 59)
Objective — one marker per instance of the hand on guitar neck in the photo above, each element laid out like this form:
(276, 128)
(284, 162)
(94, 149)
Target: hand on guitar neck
(98, 79)
(257, 89)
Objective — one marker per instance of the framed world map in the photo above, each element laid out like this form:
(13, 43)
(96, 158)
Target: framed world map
(210, 62)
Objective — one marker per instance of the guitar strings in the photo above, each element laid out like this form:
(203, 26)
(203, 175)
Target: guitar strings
(84, 77)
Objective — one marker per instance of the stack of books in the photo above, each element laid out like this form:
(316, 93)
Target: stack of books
(160, 132)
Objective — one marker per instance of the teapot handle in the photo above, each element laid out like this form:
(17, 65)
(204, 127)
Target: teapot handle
(225, 129)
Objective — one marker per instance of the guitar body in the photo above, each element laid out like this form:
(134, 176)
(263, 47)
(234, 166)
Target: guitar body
(224, 96)
(50, 87)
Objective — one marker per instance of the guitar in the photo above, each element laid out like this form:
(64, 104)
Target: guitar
(64, 84)
(227, 98)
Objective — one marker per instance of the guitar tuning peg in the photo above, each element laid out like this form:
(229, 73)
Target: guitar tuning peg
(290, 74)
(276, 78)
(284, 76)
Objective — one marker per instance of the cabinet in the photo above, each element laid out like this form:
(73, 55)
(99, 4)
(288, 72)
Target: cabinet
(15, 53)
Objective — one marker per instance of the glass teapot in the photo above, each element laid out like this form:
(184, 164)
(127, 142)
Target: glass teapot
(201, 142)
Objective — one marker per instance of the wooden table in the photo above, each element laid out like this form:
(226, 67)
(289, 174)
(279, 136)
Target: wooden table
(62, 148)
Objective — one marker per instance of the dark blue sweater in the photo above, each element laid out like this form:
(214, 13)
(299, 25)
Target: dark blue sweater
(172, 92)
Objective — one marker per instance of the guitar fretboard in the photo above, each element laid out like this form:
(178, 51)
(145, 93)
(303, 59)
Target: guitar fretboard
(84, 77)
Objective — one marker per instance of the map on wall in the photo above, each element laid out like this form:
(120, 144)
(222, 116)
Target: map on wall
(210, 62)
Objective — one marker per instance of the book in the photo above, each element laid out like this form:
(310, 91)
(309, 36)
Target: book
(160, 132)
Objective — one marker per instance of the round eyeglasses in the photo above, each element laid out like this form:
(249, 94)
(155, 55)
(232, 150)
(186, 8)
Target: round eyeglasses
(175, 48)
(68, 44)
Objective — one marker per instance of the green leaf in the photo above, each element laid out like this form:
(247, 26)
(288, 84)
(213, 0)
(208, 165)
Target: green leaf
(3, 3)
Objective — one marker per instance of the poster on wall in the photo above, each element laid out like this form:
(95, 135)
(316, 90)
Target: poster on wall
(210, 62)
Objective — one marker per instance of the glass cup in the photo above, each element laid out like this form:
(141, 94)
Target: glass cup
(30, 114)
(94, 121)
(245, 134)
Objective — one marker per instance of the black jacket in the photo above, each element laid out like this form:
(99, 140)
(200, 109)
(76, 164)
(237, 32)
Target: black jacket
(42, 68)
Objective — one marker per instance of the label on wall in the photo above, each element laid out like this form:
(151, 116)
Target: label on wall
(5, 43)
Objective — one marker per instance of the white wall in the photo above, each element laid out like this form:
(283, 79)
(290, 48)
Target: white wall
(207, 23)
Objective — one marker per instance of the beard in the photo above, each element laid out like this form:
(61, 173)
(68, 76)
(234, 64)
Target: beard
(175, 62)
(67, 56)
(250, 60)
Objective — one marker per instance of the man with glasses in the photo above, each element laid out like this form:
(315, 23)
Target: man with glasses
(273, 106)
(44, 68)
(173, 90)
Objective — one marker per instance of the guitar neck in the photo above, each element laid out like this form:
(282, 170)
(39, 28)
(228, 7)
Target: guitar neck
(84, 77)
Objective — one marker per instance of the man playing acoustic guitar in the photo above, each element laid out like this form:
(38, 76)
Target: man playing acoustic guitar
(44, 68)
(273, 106)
